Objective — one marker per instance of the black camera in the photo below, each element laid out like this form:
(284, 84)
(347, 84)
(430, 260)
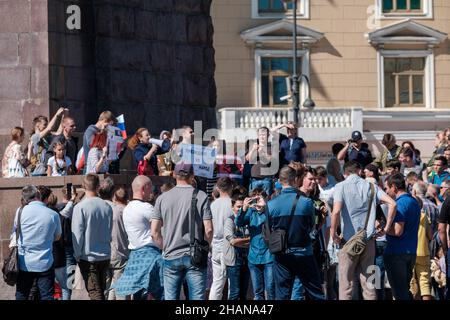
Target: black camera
(69, 190)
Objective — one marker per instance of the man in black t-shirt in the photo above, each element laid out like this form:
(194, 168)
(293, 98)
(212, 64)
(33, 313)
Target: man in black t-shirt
(444, 221)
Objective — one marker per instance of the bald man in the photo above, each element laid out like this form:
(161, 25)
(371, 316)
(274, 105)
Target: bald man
(143, 272)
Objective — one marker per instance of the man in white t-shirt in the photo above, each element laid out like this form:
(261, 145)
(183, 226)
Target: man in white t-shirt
(221, 210)
(143, 272)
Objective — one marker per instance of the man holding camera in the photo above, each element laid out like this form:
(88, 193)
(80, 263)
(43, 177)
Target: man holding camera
(356, 150)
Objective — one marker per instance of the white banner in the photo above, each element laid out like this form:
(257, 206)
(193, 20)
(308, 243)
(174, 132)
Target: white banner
(115, 142)
(202, 158)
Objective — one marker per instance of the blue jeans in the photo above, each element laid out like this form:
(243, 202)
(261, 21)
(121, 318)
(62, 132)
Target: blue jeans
(61, 278)
(239, 276)
(45, 283)
(71, 265)
(262, 277)
(298, 291)
(266, 184)
(176, 271)
(447, 289)
(379, 262)
(399, 269)
(287, 267)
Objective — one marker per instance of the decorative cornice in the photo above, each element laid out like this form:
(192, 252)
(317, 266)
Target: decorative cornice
(259, 34)
(424, 34)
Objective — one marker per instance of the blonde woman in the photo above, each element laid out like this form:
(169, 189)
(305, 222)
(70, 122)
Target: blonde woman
(14, 161)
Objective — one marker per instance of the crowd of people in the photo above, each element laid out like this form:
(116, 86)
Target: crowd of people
(247, 232)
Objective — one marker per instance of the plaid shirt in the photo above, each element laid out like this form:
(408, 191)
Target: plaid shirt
(432, 212)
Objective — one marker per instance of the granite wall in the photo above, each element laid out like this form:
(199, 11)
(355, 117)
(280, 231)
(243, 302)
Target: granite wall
(151, 60)
(24, 59)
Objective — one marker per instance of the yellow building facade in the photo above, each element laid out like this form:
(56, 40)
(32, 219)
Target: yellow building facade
(374, 65)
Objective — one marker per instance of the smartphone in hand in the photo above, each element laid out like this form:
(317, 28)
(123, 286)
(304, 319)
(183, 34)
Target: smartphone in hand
(69, 191)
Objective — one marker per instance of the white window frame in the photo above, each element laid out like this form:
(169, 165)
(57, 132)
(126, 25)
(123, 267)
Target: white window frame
(426, 14)
(302, 11)
(259, 53)
(429, 87)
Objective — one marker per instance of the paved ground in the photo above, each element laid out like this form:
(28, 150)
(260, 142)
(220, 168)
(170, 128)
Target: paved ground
(8, 292)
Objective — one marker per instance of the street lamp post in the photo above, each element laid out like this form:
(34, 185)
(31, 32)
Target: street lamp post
(295, 83)
(296, 79)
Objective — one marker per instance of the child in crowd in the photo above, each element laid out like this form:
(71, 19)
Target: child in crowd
(97, 161)
(59, 165)
(438, 272)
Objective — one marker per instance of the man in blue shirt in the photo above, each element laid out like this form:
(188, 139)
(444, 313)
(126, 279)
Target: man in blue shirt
(298, 260)
(400, 252)
(39, 227)
(292, 147)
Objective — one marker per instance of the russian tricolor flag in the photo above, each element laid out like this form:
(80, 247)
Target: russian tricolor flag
(121, 125)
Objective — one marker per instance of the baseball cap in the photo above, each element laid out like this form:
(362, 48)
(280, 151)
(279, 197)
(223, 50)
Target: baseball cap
(182, 168)
(356, 136)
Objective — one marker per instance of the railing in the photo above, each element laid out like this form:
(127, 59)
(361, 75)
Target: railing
(326, 119)
(319, 125)
(249, 118)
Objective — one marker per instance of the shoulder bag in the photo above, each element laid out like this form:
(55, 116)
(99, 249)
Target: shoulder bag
(10, 268)
(199, 249)
(278, 239)
(144, 168)
(357, 244)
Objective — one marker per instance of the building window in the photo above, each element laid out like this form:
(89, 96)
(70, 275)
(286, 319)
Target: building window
(404, 82)
(276, 9)
(273, 68)
(265, 6)
(395, 9)
(402, 5)
(275, 73)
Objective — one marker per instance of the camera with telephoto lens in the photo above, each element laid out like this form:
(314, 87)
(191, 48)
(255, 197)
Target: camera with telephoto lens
(318, 204)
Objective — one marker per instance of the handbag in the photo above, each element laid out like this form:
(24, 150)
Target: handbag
(278, 239)
(10, 267)
(357, 243)
(199, 249)
(144, 168)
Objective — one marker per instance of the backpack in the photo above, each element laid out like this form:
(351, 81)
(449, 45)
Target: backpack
(37, 161)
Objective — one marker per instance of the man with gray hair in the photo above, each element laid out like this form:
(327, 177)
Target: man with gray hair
(419, 190)
(38, 227)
